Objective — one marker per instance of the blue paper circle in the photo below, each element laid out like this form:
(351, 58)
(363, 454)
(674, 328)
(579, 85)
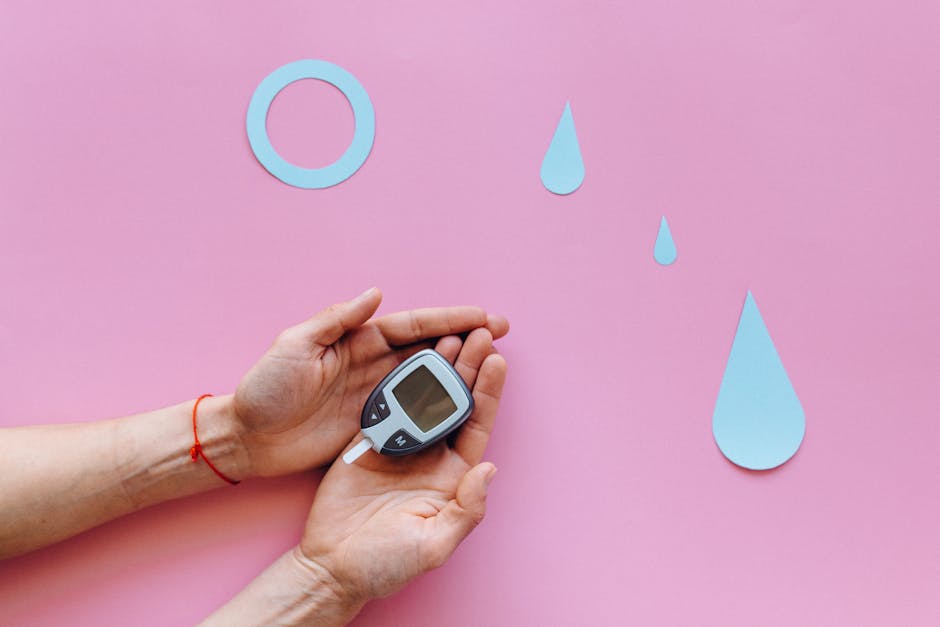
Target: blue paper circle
(363, 113)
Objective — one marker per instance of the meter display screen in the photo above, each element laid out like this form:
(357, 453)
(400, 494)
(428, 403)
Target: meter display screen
(424, 399)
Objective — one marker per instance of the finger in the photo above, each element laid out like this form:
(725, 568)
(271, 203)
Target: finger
(475, 433)
(407, 327)
(461, 515)
(471, 357)
(498, 325)
(449, 347)
(407, 351)
(330, 324)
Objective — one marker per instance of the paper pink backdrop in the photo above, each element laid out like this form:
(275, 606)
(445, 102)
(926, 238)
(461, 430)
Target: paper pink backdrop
(146, 257)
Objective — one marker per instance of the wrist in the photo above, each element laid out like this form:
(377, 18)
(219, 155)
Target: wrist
(323, 589)
(152, 451)
(221, 437)
(294, 590)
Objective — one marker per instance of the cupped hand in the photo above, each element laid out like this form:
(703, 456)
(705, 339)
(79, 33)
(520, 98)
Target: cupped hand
(381, 521)
(299, 405)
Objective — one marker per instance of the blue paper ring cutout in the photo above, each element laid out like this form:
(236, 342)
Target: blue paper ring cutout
(363, 114)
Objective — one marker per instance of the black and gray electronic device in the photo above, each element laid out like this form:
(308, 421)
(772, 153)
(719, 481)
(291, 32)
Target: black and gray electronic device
(415, 405)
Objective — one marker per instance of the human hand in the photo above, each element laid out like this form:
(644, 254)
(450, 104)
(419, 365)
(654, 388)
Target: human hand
(380, 522)
(300, 403)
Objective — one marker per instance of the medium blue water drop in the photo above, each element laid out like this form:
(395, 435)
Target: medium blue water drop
(562, 168)
(664, 252)
(758, 421)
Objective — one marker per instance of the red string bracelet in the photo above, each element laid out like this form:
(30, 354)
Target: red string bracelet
(196, 451)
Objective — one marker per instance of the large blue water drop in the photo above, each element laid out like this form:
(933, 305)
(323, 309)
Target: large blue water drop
(758, 421)
(562, 168)
(664, 252)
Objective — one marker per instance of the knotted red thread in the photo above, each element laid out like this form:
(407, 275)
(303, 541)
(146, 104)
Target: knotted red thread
(196, 451)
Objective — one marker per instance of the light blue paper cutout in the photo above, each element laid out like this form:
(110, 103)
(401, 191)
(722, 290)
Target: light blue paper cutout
(562, 168)
(758, 421)
(363, 113)
(664, 252)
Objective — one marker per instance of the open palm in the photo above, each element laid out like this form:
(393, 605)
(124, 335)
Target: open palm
(381, 521)
(300, 404)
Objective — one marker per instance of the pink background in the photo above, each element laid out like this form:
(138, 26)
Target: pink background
(146, 257)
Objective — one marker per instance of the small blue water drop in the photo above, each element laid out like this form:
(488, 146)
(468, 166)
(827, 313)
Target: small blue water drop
(562, 168)
(758, 421)
(664, 252)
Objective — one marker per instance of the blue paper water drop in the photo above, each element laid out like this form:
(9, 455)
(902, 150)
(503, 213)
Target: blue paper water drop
(664, 252)
(562, 168)
(758, 421)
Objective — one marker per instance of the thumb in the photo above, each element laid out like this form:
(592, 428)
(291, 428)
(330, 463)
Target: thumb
(462, 514)
(330, 324)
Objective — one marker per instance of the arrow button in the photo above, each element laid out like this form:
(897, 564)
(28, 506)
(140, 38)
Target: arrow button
(381, 406)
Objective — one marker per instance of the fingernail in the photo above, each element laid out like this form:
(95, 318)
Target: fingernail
(366, 293)
(489, 476)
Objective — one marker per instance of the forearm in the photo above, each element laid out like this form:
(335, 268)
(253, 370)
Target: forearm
(292, 591)
(59, 480)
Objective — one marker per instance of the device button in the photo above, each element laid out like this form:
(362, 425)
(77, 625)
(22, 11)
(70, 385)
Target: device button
(381, 406)
(400, 442)
(372, 417)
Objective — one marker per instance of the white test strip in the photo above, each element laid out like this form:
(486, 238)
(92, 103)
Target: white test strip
(357, 451)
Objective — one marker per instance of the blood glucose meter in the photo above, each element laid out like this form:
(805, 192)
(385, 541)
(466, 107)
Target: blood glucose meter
(415, 405)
